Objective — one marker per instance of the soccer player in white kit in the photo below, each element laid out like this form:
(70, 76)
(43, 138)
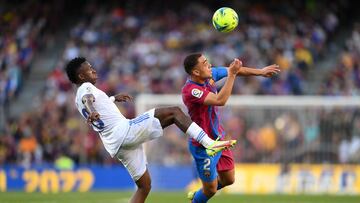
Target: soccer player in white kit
(122, 137)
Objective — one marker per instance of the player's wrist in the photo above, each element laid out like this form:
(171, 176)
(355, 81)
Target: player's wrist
(262, 72)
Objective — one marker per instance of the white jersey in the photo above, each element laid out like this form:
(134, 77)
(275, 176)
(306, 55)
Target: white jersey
(112, 125)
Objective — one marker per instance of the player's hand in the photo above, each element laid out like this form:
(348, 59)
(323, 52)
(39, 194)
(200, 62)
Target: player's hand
(234, 67)
(123, 98)
(270, 71)
(94, 116)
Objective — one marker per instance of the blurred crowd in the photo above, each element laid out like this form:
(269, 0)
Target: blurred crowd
(278, 135)
(145, 51)
(308, 135)
(24, 30)
(139, 49)
(344, 78)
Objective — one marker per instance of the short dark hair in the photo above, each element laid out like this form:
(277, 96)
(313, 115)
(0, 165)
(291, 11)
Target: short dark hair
(191, 61)
(73, 67)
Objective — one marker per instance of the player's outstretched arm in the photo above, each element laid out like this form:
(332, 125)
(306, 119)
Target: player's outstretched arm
(122, 98)
(88, 100)
(267, 71)
(221, 98)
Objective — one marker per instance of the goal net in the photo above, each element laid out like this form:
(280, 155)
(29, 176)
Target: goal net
(271, 129)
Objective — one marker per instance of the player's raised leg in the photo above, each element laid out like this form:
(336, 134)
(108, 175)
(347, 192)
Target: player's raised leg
(174, 115)
(143, 188)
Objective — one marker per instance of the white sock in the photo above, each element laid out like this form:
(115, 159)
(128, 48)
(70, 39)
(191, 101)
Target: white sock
(197, 133)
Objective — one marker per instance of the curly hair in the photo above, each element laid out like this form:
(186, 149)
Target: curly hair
(73, 67)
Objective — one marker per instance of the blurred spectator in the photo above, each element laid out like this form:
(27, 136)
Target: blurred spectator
(24, 28)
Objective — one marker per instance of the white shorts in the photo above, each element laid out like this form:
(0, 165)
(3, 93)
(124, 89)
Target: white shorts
(131, 153)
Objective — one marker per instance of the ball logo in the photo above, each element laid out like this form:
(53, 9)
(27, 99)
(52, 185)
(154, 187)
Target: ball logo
(197, 93)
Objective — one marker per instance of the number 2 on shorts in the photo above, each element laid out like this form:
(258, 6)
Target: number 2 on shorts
(207, 164)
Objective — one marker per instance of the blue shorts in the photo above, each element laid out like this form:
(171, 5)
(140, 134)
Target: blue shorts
(205, 164)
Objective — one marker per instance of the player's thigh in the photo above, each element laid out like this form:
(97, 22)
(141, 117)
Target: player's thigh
(142, 129)
(134, 160)
(205, 165)
(227, 177)
(226, 168)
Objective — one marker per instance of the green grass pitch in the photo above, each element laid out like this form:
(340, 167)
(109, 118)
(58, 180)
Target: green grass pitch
(167, 197)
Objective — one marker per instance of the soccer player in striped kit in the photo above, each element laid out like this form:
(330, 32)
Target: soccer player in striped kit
(201, 98)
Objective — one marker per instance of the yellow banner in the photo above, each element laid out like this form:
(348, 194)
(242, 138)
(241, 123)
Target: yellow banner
(294, 179)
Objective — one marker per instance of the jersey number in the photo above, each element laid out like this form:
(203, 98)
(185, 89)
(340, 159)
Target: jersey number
(207, 164)
(99, 124)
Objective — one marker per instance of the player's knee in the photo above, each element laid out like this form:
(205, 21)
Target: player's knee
(145, 188)
(148, 188)
(228, 181)
(175, 111)
(210, 191)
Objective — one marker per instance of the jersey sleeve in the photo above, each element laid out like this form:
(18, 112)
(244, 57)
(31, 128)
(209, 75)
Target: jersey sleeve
(195, 94)
(86, 88)
(219, 73)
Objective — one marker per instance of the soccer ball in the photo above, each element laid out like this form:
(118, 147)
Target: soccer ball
(225, 19)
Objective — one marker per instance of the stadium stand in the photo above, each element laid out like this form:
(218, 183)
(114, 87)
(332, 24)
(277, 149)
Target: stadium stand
(142, 52)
